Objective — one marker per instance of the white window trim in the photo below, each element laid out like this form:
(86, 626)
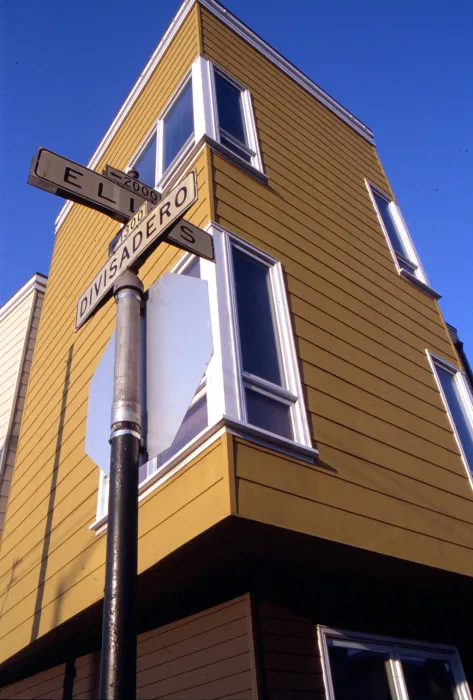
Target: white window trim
(466, 397)
(204, 102)
(224, 378)
(393, 646)
(248, 119)
(292, 392)
(419, 278)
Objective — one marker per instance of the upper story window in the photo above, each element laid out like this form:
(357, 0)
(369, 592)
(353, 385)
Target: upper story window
(458, 400)
(208, 104)
(177, 126)
(379, 668)
(398, 238)
(232, 125)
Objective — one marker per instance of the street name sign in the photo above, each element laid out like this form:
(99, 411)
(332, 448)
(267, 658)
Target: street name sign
(189, 237)
(53, 173)
(131, 184)
(151, 230)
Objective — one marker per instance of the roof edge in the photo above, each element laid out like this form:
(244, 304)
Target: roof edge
(287, 67)
(37, 282)
(251, 38)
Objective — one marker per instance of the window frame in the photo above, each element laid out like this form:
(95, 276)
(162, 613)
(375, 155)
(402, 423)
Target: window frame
(394, 647)
(205, 113)
(292, 394)
(465, 395)
(249, 124)
(418, 277)
(163, 177)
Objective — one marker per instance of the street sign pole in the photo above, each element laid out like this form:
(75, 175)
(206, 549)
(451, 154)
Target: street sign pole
(118, 662)
(115, 195)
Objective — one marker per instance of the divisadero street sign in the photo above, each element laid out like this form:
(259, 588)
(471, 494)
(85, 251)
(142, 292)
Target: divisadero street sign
(189, 237)
(150, 230)
(54, 173)
(129, 227)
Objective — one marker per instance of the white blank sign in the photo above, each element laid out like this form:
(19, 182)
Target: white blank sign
(178, 350)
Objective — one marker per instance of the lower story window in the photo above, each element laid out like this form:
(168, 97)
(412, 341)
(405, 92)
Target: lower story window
(379, 668)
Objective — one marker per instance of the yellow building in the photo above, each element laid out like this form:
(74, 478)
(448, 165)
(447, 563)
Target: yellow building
(309, 534)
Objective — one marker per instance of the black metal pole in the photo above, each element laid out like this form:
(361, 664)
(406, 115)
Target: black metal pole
(118, 661)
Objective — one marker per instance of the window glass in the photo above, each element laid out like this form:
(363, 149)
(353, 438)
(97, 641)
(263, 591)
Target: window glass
(194, 422)
(268, 413)
(178, 125)
(360, 674)
(193, 269)
(389, 224)
(259, 345)
(460, 418)
(229, 108)
(236, 149)
(428, 679)
(146, 164)
(406, 265)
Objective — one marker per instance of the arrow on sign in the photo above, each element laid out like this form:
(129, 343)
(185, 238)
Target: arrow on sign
(131, 184)
(131, 250)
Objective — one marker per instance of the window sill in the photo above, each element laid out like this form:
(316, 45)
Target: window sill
(270, 440)
(233, 158)
(204, 440)
(420, 285)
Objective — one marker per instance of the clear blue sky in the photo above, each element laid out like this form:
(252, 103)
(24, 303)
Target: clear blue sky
(405, 69)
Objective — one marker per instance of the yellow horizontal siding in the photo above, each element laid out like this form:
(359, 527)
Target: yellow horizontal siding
(191, 501)
(316, 501)
(361, 331)
(249, 66)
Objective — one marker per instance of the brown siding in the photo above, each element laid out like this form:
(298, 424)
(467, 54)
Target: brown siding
(201, 657)
(48, 685)
(290, 655)
(361, 334)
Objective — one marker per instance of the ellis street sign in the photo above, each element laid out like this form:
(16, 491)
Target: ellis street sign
(53, 173)
(150, 230)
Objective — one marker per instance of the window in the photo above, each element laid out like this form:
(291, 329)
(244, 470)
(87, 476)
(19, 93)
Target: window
(231, 118)
(398, 238)
(457, 397)
(177, 127)
(170, 139)
(252, 386)
(209, 104)
(378, 668)
(146, 163)
(267, 389)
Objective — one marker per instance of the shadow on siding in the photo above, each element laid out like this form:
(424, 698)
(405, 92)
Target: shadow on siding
(52, 498)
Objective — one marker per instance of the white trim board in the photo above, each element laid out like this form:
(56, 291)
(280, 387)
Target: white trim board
(251, 38)
(37, 282)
